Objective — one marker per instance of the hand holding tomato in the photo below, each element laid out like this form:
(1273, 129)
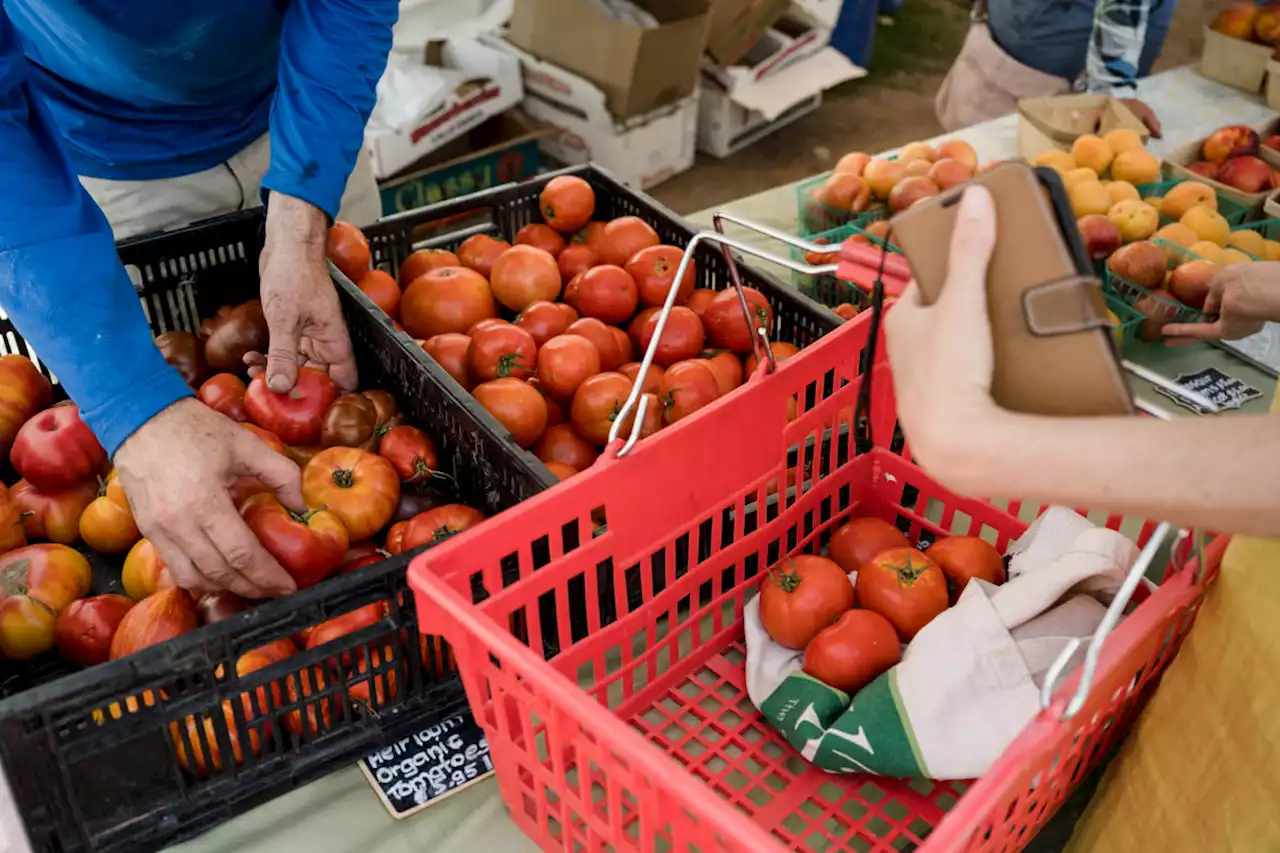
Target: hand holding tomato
(176, 470)
(310, 545)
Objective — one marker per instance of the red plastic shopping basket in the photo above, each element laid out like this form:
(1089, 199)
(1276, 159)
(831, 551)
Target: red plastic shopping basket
(612, 633)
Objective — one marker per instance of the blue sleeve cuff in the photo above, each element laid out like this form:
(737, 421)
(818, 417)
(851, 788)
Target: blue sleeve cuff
(113, 421)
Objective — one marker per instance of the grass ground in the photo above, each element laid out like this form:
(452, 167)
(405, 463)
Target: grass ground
(891, 106)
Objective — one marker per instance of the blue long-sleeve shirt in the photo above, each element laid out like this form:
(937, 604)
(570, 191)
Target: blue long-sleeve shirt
(135, 90)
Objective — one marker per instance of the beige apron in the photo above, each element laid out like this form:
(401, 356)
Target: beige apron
(986, 83)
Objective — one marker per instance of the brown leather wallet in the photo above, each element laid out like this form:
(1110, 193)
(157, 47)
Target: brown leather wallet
(1054, 354)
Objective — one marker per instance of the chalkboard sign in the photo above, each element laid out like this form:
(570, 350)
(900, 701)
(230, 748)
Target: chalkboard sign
(428, 765)
(1225, 392)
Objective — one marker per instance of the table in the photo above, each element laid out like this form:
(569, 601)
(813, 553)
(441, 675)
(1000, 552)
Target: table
(341, 812)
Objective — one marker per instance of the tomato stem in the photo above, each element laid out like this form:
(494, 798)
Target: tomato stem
(909, 574)
(305, 517)
(787, 581)
(507, 363)
(344, 478)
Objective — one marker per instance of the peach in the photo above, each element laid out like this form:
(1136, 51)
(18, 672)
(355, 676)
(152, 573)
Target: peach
(916, 151)
(1204, 169)
(1079, 175)
(1237, 20)
(947, 173)
(1061, 161)
(1271, 250)
(1235, 256)
(1089, 197)
(1187, 195)
(1122, 191)
(844, 191)
(1101, 236)
(1178, 234)
(958, 149)
(1190, 282)
(1092, 152)
(1208, 225)
(1234, 140)
(1136, 221)
(1141, 263)
(910, 191)
(1123, 139)
(879, 229)
(1247, 174)
(1211, 252)
(1248, 241)
(916, 168)
(853, 163)
(1157, 307)
(882, 175)
(1136, 166)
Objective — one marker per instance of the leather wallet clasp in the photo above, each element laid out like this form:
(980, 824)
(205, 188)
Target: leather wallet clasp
(1064, 306)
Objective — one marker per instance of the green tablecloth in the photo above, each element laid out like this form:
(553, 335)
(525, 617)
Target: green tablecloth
(342, 813)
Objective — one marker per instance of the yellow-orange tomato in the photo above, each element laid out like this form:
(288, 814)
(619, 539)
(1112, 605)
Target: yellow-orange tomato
(12, 533)
(53, 574)
(26, 627)
(53, 515)
(108, 527)
(142, 571)
(359, 487)
(24, 391)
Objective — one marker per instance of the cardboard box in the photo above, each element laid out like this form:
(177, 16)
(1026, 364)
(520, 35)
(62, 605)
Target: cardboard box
(736, 25)
(502, 150)
(730, 120)
(1175, 166)
(642, 151)
(1271, 207)
(1234, 61)
(639, 69)
(495, 88)
(794, 37)
(1045, 124)
(826, 11)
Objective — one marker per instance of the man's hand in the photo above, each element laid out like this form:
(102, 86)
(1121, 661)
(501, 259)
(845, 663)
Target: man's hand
(1144, 112)
(299, 300)
(176, 470)
(1242, 296)
(942, 355)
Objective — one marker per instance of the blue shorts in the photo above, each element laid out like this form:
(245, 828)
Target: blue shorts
(1052, 36)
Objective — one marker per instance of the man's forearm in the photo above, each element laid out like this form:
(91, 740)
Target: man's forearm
(1220, 473)
(293, 220)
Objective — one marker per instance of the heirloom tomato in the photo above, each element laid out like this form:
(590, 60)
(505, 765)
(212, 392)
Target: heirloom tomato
(55, 449)
(359, 487)
(310, 545)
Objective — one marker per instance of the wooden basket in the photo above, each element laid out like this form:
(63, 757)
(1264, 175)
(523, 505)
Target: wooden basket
(1046, 124)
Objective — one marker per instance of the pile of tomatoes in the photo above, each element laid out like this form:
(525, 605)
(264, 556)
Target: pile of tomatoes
(851, 633)
(547, 332)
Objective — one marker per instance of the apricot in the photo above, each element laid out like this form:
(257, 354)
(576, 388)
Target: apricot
(1211, 252)
(1089, 197)
(1079, 175)
(1137, 166)
(1123, 139)
(1122, 191)
(958, 149)
(1208, 225)
(916, 151)
(853, 163)
(1235, 256)
(844, 191)
(910, 191)
(1248, 241)
(1092, 152)
(1060, 161)
(1187, 195)
(1136, 221)
(882, 176)
(916, 168)
(1271, 250)
(947, 173)
(1178, 234)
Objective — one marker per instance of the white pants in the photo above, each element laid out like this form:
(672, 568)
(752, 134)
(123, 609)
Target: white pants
(143, 207)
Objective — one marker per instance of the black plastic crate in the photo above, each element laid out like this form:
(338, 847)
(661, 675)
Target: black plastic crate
(92, 772)
(504, 210)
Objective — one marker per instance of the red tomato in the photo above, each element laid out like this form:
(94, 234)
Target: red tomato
(637, 324)
(55, 450)
(542, 237)
(654, 270)
(452, 351)
(310, 545)
(652, 377)
(686, 387)
(904, 586)
(360, 488)
(296, 415)
(516, 405)
(565, 362)
(567, 203)
(607, 293)
(83, 632)
(478, 252)
(574, 259)
(596, 404)
(781, 352)
(963, 558)
(395, 537)
(561, 443)
(561, 470)
(424, 261)
(652, 417)
(727, 369)
(624, 344)
(411, 452)
(855, 651)
(699, 300)
(802, 595)
(624, 237)
(12, 532)
(501, 351)
(383, 290)
(347, 623)
(593, 236)
(349, 250)
(268, 437)
(594, 330)
(860, 539)
(846, 311)
(24, 391)
(448, 299)
(523, 275)
(543, 321)
(224, 392)
(439, 523)
(570, 293)
(682, 339)
(725, 324)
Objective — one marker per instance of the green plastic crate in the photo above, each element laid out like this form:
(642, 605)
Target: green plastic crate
(816, 219)
(1232, 211)
(1130, 319)
(1149, 305)
(828, 289)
